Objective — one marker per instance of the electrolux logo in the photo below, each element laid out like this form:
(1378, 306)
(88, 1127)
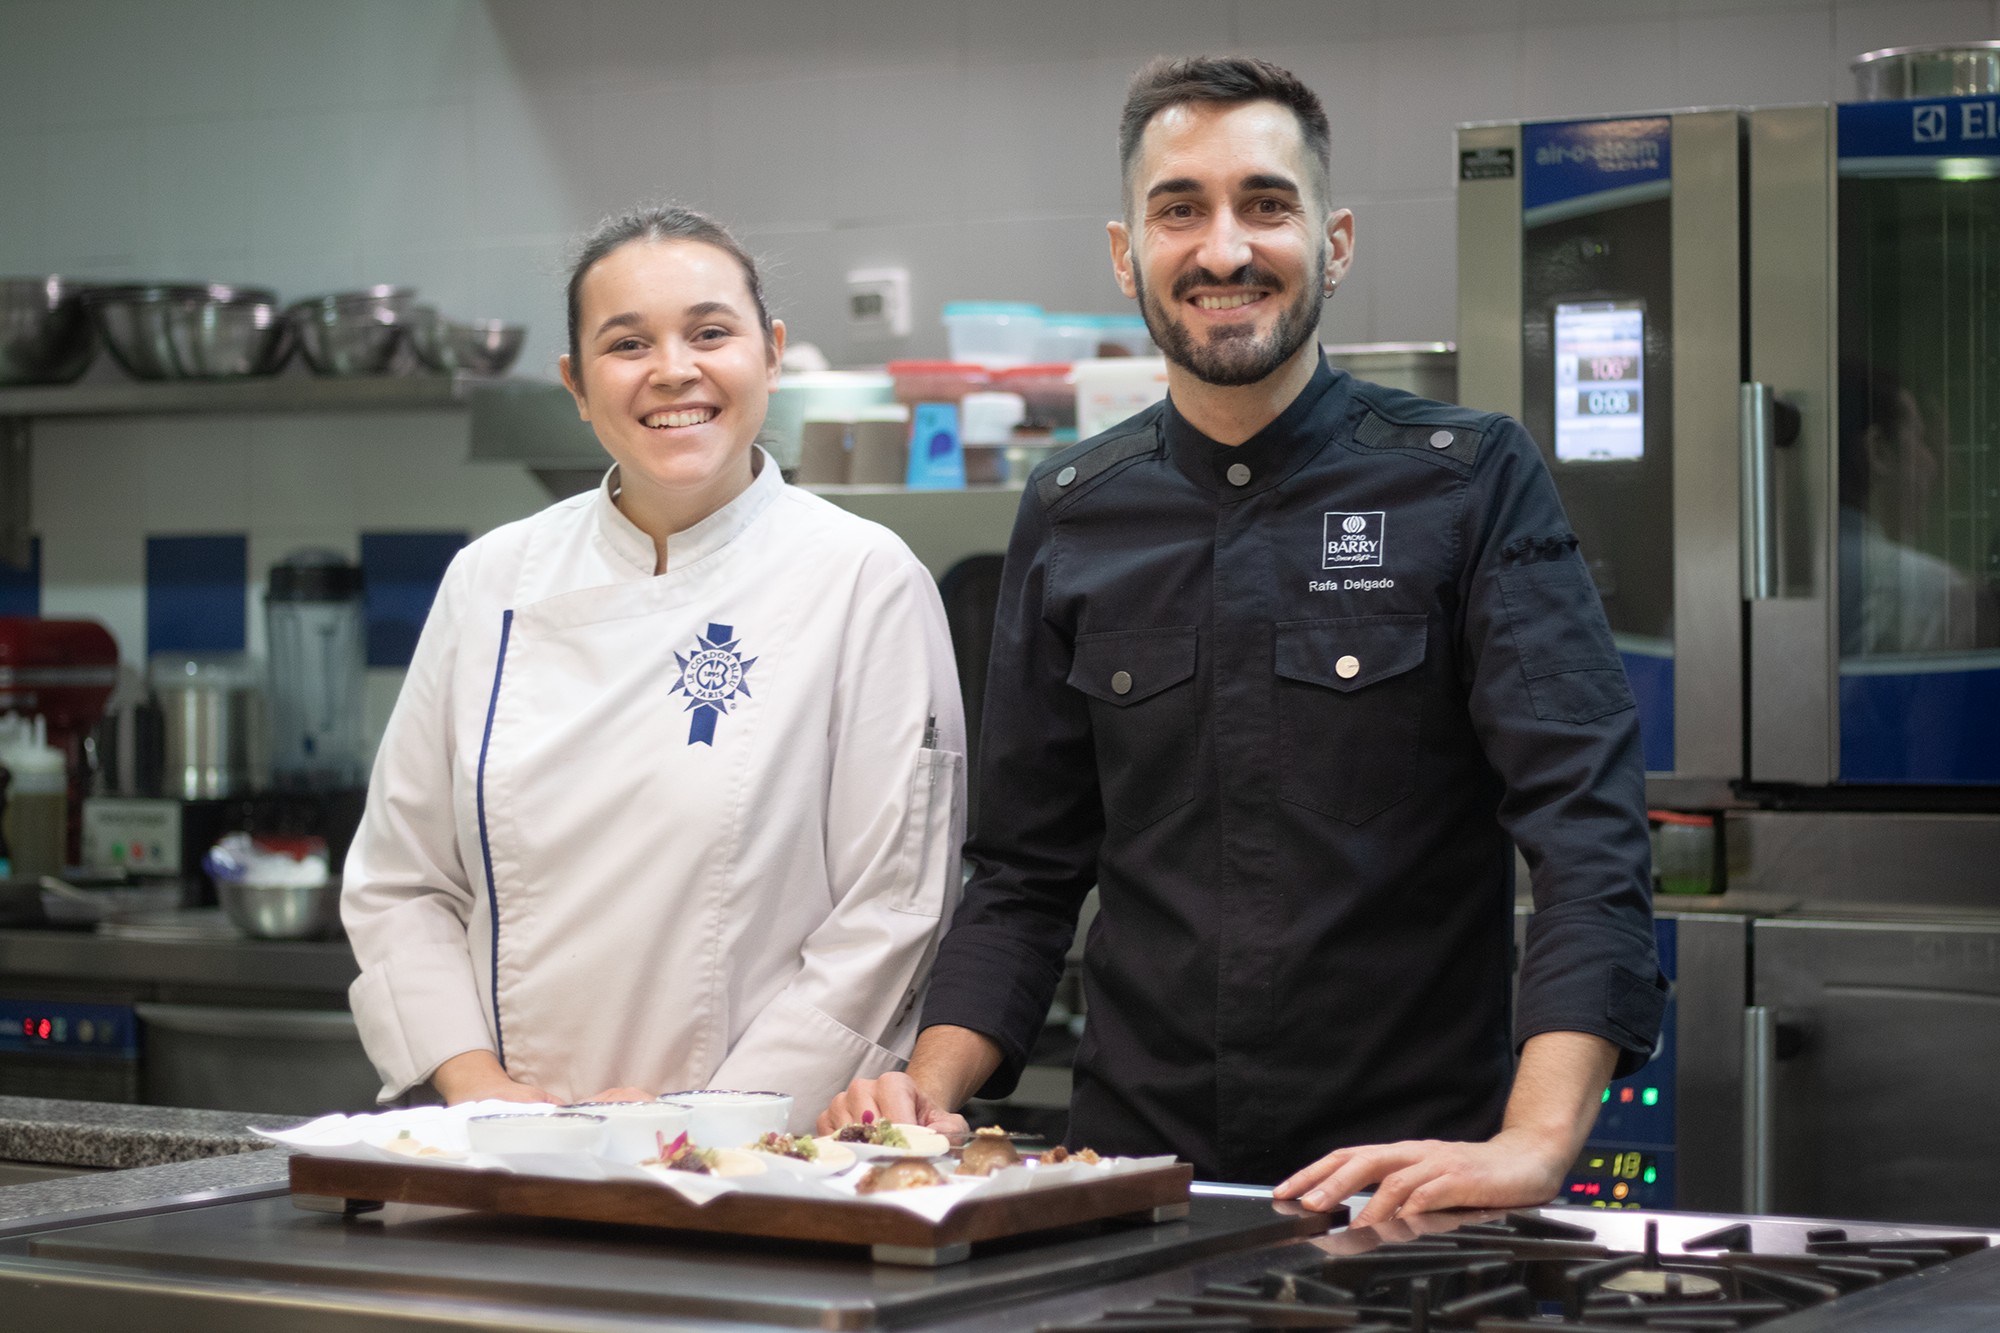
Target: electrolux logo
(1927, 124)
(1352, 540)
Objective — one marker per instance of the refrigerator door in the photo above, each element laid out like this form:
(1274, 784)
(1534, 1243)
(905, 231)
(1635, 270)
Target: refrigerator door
(1624, 368)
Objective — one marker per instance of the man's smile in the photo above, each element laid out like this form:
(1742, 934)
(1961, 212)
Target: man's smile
(1234, 301)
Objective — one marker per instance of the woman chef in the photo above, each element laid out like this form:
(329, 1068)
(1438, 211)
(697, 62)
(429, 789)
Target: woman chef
(671, 796)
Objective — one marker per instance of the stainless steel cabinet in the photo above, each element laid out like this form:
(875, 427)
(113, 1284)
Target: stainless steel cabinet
(279, 1061)
(1884, 1076)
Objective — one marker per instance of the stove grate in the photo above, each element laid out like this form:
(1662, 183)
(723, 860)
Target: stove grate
(1529, 1274)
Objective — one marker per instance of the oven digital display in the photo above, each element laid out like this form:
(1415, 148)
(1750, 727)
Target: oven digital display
(1600, 381)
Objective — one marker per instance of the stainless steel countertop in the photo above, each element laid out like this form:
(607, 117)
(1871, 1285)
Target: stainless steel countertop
(77, 1200)
(272, 965)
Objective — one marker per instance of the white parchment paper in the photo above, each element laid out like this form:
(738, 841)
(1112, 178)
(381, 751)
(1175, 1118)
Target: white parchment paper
(361, 1138)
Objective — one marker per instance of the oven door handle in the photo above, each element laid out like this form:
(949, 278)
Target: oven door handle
(1765, 424)
(1760, 1043)
(229, 1021)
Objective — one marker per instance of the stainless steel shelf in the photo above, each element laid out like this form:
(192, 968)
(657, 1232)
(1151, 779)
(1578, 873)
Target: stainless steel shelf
(281, 393)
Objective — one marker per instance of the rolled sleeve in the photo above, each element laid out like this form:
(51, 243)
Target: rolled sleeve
(1554, 714)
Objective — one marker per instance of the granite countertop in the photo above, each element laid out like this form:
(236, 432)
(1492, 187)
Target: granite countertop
(108, 1135)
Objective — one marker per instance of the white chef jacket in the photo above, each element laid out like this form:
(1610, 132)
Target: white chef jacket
(688, 830)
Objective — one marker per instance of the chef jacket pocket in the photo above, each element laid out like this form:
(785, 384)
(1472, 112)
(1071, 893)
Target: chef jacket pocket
(1568, 660)
(930, 857)
(1143, 715)
(1350, 705)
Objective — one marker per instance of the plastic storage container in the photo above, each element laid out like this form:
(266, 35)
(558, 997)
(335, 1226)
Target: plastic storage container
(1049, 390)
(1075, 337)
(1683, 851)
(37, 813)
(881, 450)
(1109, 390)
(936, 381)
(992, 333)
(1124, 331)
(818, 395)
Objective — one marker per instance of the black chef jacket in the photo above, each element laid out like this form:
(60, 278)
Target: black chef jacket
(1285, 703)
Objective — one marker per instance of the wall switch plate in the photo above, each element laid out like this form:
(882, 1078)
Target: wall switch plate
(878, 303)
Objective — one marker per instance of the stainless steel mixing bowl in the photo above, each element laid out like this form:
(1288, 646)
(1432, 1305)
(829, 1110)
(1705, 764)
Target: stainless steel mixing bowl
(479, 346)
(228, 339)
(45, 333)
(286, 913)
(352, 333)
(133, 320)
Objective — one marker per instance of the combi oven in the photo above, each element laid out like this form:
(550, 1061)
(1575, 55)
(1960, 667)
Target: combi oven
(1760, 351)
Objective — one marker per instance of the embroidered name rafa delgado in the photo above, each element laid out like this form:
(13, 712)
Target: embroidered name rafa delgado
(712, 676)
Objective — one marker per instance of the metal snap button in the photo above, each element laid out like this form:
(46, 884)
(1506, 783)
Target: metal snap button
(1440, 439)
(1239, 475)
(1348, 667)
(1121, 682)
(1066, 476)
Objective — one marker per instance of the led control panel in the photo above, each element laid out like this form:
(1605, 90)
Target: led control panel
(62, 1028)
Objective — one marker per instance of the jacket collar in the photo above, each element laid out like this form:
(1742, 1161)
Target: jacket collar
(629, 544)
(1271, 455)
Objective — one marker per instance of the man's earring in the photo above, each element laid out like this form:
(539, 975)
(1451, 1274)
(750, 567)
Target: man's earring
(1331, 285)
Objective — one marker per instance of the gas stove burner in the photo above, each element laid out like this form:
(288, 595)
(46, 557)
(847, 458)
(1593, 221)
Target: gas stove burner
(1661, 1282)
(1530, 1274)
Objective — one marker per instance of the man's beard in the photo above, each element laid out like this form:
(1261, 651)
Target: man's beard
(1234, 354)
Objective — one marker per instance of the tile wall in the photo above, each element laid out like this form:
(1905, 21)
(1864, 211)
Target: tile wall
(457, 145)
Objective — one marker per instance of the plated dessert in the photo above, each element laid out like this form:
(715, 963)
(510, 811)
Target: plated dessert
(682, 1154)
(804, 1154)
(988, 1150)
(899, 1173)
(870, 1137)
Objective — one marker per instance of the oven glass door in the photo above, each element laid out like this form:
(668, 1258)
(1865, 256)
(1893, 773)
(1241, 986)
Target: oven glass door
(1917, 428)
(1596, 363)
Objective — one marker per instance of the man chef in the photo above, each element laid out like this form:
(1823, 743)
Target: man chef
(1285, 666)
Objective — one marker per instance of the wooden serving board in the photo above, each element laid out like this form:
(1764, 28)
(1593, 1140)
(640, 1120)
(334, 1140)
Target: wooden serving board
(331, 1184)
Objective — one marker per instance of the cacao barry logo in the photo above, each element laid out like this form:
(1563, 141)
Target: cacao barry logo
(1352, 540)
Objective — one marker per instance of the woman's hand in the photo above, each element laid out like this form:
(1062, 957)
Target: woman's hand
(475, 1076)
(624, 1095)
(890, 1097)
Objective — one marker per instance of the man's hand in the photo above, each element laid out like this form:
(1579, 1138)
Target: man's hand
(1509, 1170)
(890, 1097)
(948, 1065)
(475, 1076)
(1549, 1114)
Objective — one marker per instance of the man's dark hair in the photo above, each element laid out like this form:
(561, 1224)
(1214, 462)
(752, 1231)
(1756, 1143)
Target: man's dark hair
(665, 222)
(1230, 80)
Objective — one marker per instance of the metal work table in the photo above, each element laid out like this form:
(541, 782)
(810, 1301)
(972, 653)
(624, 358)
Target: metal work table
(262, 965)
(215, 1268)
